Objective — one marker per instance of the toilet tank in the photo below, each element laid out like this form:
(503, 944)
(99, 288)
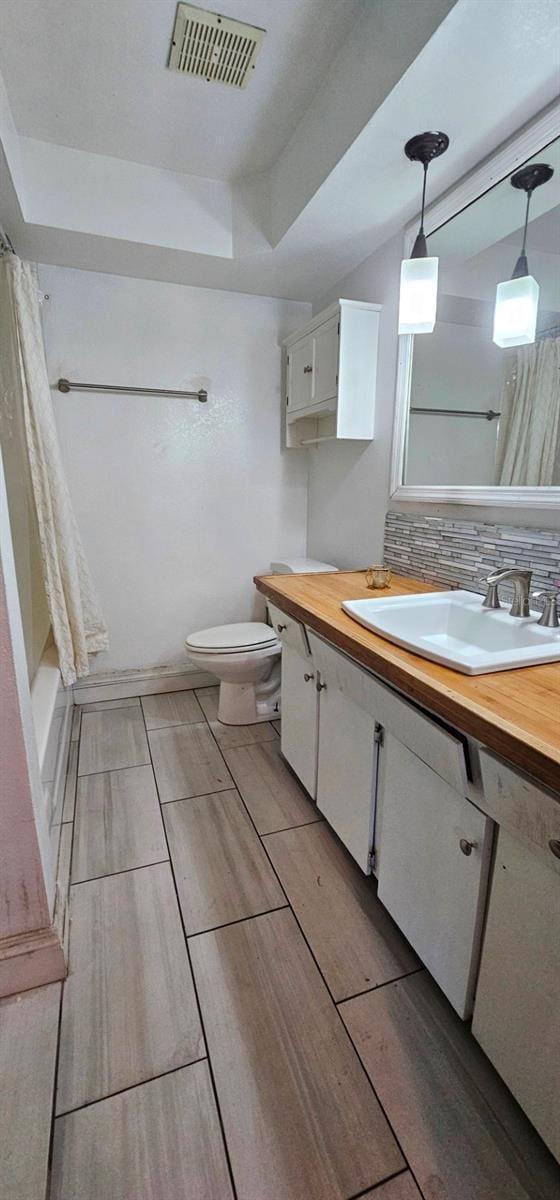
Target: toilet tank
(300, 566)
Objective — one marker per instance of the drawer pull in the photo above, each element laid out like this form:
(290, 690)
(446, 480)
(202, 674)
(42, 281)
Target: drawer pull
(307, 677)
(281, 628)
(554, 845)
(466, 846)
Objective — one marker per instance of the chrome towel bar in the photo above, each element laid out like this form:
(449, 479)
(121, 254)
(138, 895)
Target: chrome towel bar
(67, 385)
(489, 414)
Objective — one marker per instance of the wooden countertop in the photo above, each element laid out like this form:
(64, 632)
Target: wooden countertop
(515, 713)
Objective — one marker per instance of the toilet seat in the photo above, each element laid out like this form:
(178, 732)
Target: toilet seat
(241, 638)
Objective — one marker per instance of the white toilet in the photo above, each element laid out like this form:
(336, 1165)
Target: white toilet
(245, 657)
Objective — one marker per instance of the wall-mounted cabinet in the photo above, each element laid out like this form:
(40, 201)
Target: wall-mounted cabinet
(330, 374)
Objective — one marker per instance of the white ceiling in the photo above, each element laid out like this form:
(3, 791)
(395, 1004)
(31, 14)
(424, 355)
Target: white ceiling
(315, 143)
(92, 74)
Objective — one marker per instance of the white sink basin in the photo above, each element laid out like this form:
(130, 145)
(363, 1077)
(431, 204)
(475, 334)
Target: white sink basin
(452, 628)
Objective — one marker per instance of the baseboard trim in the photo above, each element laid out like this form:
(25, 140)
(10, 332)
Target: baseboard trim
(29, 960)
(145, 682)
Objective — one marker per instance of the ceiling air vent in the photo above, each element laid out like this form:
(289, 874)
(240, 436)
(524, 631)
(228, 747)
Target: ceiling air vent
(213, 47)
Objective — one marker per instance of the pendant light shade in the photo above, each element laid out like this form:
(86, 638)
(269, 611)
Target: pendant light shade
(515, 312)
(517, 299)
(417, 309)
(419, 273)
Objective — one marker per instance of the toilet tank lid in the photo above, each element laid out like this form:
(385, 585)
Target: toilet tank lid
(300, 566)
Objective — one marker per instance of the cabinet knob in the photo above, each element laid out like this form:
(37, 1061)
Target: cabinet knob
(554, 845)
(466, 846)
(321, 687)
(307, 677)
(281, 628)
(307, 370)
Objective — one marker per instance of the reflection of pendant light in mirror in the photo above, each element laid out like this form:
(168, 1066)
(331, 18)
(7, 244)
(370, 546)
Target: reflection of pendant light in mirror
(517, 300)
(419, 273)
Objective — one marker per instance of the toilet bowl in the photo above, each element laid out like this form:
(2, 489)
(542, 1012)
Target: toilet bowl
(245, 657)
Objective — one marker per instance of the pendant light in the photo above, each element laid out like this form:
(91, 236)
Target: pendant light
(517, 299)
(419, 273)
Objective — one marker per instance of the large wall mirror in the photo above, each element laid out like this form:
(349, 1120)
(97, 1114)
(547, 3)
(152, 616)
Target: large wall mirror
(476, 423)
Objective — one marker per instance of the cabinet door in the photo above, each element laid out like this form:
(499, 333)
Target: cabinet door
(325, 362)
(299, 716)
(432, 888)
(517, 1006)
(347, 767)
(300, 374)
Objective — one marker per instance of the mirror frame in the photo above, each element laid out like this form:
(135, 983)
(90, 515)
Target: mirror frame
(523, 146)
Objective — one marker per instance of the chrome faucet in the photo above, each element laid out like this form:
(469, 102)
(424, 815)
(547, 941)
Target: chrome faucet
(521, 580)
(549, 615)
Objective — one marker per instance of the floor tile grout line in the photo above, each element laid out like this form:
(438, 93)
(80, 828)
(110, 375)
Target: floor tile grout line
(203, 796)
(63, 981)
(54, 1091)
(377, 986)
(110, 770)
(288, 828)
(339, 1015)
(195, 989)
(366, 1192)
(158, 862)
(131, 1087)
(377, 1097)
(289, 905)
(238, 921)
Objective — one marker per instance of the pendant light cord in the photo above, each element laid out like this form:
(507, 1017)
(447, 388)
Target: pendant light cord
(426, 165)
(522, 266)
(529, 194)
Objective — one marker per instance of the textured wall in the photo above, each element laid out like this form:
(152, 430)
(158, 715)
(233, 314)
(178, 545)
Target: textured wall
(179, 504)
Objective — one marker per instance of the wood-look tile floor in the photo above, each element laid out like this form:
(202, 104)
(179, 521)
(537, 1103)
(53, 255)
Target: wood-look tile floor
(241, 1020)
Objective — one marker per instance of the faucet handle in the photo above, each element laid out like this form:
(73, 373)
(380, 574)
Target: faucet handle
(491, 599)
(549, 615)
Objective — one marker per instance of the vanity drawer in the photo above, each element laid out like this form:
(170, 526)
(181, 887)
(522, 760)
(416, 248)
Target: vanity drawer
(515, 802)
(291, 632)
(436, 746)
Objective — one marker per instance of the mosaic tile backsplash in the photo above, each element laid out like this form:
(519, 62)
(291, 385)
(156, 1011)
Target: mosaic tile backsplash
(457, 553)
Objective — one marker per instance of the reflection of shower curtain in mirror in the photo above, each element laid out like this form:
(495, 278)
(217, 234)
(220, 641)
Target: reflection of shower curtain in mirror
(77, 623)
(528, 450)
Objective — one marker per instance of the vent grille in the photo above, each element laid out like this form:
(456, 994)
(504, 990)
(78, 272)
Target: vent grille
(213, 47)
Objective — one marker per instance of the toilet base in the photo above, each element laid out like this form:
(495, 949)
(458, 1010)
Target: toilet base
(247, 703)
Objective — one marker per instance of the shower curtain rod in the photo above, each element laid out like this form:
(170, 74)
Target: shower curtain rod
(489, 415)
(67, 385)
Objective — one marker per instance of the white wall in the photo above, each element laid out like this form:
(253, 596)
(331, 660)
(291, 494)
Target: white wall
(179, 504)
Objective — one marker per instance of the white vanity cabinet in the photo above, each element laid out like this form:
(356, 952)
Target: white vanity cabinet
(348, 750)
(390, 774)
(299, 699)
(330, 373)
(517, 1004)
(433, 854)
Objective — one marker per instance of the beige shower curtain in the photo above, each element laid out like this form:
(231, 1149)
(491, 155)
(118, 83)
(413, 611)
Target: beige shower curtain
(528, 451)
(77, 622)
